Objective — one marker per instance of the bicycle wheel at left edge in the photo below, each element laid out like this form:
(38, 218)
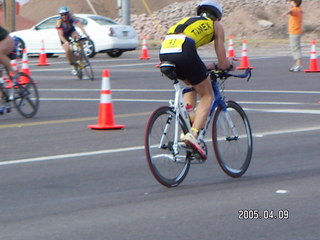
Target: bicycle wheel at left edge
(26, 96)
(86, 66)
(168, 168)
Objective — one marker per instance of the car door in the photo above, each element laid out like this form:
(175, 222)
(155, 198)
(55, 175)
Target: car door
(47, 32)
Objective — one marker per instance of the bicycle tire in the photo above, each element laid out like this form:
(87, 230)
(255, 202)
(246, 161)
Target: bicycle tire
(233, 153)
(86, 66)
(168, 170)
(78, 69)
(26, 96)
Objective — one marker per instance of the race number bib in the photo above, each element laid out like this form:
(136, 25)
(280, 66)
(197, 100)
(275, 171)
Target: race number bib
(172, 44)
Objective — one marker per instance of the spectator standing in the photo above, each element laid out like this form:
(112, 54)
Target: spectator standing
(295, 32)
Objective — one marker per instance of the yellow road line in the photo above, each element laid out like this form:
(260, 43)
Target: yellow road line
(18, 125)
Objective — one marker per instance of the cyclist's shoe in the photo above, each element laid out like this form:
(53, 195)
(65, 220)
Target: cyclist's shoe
(74, 71)
(191, 141)
(182, 135)
(295, 68)
(4, 109)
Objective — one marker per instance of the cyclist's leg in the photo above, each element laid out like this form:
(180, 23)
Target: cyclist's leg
(204, 89)
(66, 48)
(190, 98)
(6, 46)
(75, 35)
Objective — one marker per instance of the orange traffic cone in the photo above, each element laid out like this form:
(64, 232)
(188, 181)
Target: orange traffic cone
(313, 65)
(25, 67)
(244, 64)
(15, 68)
(14, 65)
(144, 50)
(106, 116)
(43, 56)
(231, 53)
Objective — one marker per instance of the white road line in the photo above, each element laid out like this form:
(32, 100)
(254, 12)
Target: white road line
(128, 149)
(71, 155)
(95, 67)
(166, 101)
(171, 90)
(296, 111)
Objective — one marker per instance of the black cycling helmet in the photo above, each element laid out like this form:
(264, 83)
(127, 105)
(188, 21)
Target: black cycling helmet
(64, 10)
(211, 9)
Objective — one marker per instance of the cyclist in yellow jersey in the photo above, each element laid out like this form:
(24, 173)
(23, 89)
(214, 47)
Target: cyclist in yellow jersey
(180, 47)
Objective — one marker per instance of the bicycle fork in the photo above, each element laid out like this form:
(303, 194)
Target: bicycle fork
(230, 136)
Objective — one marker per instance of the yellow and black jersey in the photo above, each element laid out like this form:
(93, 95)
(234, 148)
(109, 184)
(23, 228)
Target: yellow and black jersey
(68, 25)
(200, 29)
(3, 33)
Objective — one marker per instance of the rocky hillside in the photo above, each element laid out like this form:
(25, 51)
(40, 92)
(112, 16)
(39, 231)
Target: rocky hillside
(254, 19)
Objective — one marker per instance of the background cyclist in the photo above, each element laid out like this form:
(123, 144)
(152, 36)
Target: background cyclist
(7, 45)
(66, 28)
(180, 47)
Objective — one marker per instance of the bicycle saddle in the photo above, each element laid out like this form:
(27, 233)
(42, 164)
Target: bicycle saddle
(169, 70)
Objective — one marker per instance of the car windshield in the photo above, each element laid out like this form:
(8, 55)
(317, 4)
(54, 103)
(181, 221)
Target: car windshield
(50, 23)
(102, 20)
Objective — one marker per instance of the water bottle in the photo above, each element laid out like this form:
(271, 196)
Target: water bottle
(191, 112)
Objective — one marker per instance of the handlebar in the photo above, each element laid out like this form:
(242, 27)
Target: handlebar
(77, 40)
(214, 74)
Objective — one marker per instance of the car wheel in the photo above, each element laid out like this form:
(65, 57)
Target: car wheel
(89, 48)
(20, 46)
(114, 53)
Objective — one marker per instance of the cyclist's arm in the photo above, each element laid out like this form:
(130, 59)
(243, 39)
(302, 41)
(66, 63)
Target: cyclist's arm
(61, 36)
(223, 62)
(79, 24)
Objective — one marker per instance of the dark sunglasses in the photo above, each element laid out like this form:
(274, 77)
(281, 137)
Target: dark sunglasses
(63, 14)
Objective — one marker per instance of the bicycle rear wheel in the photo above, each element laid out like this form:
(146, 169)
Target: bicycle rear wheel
(26, 96)
(232, 146)
(86, 66)
(168, 168)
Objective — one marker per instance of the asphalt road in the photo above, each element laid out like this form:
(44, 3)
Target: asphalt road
(61, 180)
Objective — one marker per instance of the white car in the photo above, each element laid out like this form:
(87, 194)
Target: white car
(105, 35)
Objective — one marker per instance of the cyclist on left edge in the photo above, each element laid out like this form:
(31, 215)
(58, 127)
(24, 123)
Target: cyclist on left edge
(7, 45)
(66, 29)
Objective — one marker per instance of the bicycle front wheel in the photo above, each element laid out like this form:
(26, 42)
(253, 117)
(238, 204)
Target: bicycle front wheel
(232, 139)
(86, 66)
(26, 96)
(168, 162)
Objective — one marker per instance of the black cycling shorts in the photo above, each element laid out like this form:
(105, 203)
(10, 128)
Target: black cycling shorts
(68, 34)
(189, 65)
(3, 33)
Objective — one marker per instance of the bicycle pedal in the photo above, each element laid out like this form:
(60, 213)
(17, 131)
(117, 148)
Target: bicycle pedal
(196, 159)
(199, 158)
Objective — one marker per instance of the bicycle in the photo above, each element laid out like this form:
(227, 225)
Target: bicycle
(22, 91)
(81, 60)
(169, 158)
